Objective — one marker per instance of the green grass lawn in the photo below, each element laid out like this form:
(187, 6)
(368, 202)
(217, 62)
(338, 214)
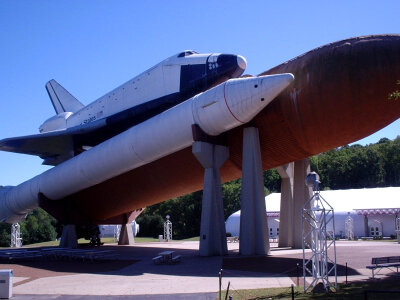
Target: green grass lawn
(107, 240)
(110, 240)
(354, 290)
(196, 238)
(145, 239)
(43, 244)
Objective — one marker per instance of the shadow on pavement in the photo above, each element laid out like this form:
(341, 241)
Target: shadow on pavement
(274, 265)
(137, 260)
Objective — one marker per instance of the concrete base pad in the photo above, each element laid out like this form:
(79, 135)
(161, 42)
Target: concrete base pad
(194, 274)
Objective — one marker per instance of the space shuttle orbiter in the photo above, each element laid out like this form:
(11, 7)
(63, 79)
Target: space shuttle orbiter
(145, 119)
(76, 127)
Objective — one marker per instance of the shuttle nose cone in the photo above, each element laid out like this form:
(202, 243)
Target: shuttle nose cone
(241, 61)
(231, 65)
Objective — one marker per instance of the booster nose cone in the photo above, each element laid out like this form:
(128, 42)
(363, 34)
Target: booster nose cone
(247, 97)
(241, 61)
(236, 101)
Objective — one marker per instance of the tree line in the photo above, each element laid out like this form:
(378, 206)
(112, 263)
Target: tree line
(38, 226)
(355, 166)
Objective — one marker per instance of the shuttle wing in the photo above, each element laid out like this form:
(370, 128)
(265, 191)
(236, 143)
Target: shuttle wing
(43, 145)
(56, 146)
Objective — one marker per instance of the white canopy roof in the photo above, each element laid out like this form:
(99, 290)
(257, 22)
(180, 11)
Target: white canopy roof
(347, 200)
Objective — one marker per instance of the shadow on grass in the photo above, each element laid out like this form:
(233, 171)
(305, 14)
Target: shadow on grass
(384, 288)
(278, 266)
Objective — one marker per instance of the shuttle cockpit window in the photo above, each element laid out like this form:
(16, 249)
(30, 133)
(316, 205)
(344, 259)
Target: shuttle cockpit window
(187, 53)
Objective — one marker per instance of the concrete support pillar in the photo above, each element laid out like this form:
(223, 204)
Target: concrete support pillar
(254, 236)
(126, 236)
(301, 194)
(68, 237)
(286, 227)
(212, 228)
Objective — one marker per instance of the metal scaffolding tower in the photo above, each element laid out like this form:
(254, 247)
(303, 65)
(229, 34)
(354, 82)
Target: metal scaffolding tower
(349, 227)
(317, 215)
(167, 229)
(16, 240)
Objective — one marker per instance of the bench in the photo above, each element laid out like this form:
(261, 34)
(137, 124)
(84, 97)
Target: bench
(273, 239)
(175, 259)
(158, 260)
(378, 263)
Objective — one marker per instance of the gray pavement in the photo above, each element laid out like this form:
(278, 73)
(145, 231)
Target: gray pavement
(197, 296)
(194, 277)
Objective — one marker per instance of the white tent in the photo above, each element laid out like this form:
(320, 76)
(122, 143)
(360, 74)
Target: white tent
(380, 206)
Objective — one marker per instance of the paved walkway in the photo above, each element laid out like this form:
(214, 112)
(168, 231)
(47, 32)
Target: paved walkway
(201, 296)
(193, 278)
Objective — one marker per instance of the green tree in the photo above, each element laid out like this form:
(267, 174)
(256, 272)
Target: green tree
(184, 212)
(356, 166)
(5, 234)
(390, 160)
(396, 94)
(231, 192)
(272, 180)
(150, 225)
(37, 227)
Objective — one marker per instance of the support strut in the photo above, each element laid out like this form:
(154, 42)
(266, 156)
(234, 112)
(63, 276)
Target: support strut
(212, 228)
(254, 239)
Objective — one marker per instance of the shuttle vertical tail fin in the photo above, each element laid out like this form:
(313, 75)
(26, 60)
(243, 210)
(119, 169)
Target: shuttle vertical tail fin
(62, 100)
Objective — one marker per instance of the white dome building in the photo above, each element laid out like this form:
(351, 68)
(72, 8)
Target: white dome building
(373, 212)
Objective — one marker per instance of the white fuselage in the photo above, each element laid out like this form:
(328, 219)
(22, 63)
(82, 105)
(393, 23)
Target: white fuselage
(161, 80)
(168, 83)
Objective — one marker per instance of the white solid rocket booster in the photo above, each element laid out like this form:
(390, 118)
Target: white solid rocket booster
(217, 110)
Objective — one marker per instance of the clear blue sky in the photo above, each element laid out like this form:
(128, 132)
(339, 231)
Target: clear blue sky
(91, 47)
